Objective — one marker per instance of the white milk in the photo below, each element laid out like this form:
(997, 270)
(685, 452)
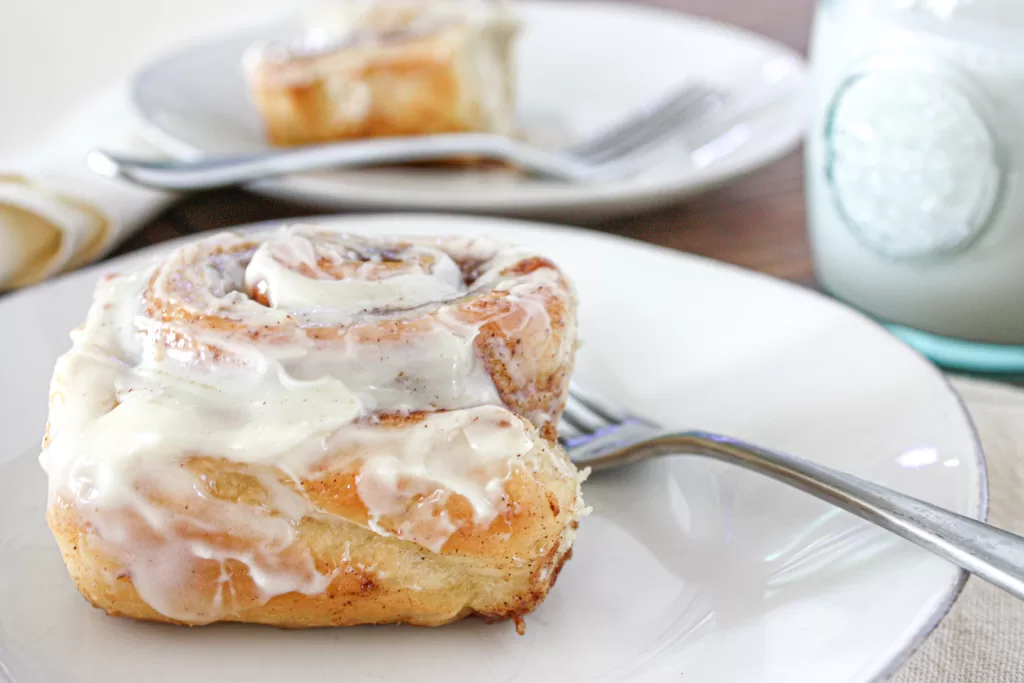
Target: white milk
(915, 188)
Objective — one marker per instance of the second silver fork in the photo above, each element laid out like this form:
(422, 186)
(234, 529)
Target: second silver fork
(599, 435)
(598, 159)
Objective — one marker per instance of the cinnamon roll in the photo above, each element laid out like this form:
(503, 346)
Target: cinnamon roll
(302, 427)
(375, 68)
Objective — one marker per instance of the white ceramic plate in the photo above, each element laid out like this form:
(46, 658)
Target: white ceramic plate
(687, 570)
(582, 66)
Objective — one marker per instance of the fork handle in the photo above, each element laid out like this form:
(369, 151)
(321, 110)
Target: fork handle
(993, 554)
(212, 172)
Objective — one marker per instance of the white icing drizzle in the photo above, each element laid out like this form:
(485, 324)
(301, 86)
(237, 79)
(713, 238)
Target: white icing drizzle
(291, 268)
(450, 452)
(176, 360)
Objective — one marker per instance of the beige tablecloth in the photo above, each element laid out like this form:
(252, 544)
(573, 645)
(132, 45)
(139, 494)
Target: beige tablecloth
(982, 640)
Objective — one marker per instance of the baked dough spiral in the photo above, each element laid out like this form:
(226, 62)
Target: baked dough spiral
(302, 427)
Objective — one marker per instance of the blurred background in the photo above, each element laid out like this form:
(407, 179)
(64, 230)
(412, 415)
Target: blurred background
(69, 52)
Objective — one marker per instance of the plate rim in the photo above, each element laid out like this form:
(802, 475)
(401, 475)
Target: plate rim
(954, 590)
(620, 197)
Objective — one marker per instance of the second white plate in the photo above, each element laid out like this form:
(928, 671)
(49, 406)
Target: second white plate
(582, 66)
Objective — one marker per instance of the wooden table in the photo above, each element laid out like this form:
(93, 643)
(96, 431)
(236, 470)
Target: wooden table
(757, 222)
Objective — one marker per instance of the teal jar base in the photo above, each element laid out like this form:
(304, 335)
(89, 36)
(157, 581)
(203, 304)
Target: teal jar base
(963, 356)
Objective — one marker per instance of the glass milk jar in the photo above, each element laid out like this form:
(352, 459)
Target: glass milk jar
(915, 191)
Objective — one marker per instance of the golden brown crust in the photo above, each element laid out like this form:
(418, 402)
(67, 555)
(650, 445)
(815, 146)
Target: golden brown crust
(500, 572)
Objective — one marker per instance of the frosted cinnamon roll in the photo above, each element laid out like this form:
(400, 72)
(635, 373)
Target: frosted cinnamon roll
(309, 428)
(372, 68)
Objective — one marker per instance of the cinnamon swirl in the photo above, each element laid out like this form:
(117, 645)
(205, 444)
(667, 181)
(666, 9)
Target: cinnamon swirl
(302, 427)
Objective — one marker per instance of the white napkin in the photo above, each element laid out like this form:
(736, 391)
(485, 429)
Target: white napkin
(55, 213)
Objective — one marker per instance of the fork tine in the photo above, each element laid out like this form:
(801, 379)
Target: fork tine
(671, 122)
(580, 413)
(642, 130)
(566, 431)
(577, 417)
(586, 413)
(612, 135)
(597, 404)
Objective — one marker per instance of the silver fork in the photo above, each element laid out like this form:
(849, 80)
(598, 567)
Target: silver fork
(609, 156)
(598, 159)
(599, 435)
